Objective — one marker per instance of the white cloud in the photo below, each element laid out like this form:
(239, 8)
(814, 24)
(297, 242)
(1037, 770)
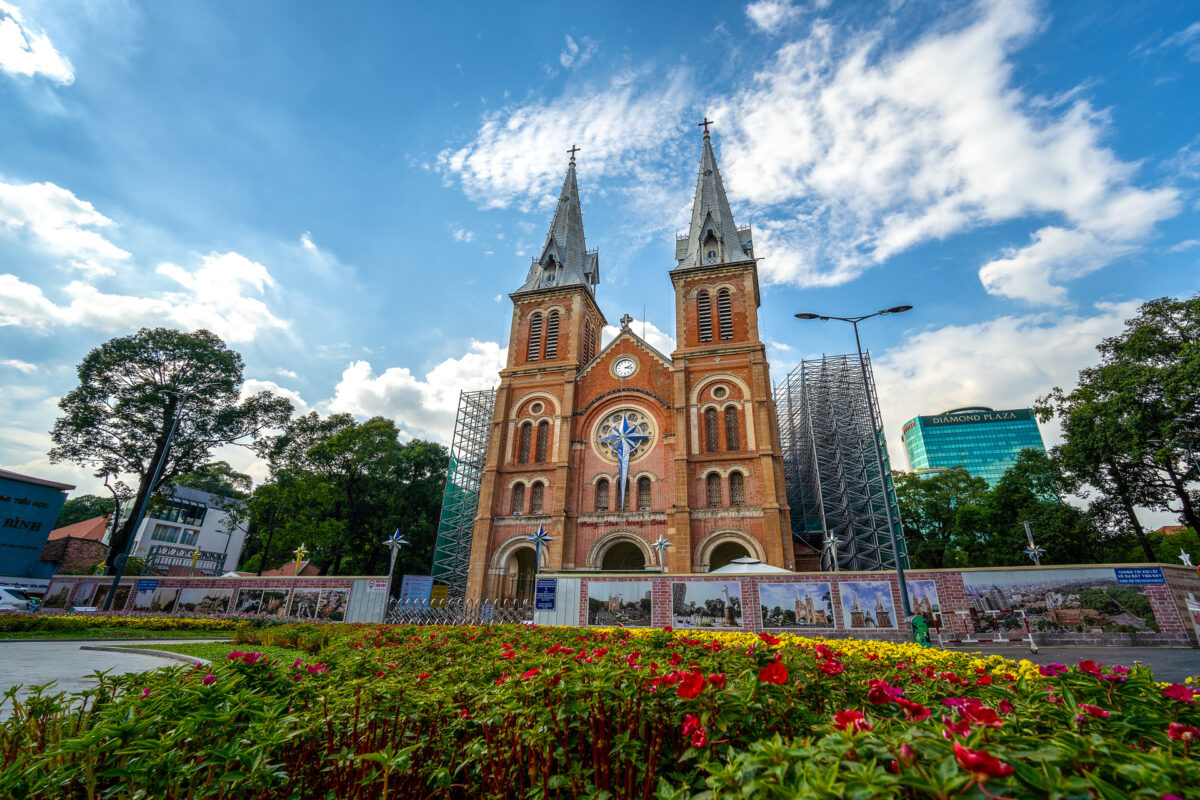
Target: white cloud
(771, 15)
(1007, 362)
(59, 223)
(213, 296)
(575, 54)
(654, 336)
(1188, 39)
(422, 407)
(287, 373)
(517, 154)
(253, 386)
(461, 234)
(850, 153)
(1186, 244)
(306, 241)
(17, 364)
(25, 50)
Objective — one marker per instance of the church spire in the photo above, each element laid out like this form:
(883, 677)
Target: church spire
(565, 260)
(713, 237)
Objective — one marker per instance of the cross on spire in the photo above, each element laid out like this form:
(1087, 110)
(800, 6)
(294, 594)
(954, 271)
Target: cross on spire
(705, 124)
(573, 151)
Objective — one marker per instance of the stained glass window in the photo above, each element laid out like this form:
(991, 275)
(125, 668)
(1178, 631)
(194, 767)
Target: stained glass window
(733, 439)
(602, 495)
(643, 493)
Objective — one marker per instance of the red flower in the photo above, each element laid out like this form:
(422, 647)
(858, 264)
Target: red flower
(962, 728)
(422, 676)
(462, 712)
(1005, 707)
(691, 685)
(983, 680)
(501, 679)
(769, 639)
(700, 738)
(854, 720)
(773, 673)
(981, 763)
(981, 715)
(210, 679)
(831, 667)
(1090, 667)
(1051, 670)
(717, 680)
(914, 711)
(691, 724)
(1177, 691)
(824, 652)
(883, 692)
(1183, 733)
(532, 672)
(1095, 711)
(668, 628)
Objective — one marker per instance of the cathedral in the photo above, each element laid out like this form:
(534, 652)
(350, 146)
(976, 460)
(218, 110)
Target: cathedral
(628, 458)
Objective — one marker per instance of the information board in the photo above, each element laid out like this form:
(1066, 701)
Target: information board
(544, 594)
(1139, 575)
(416, 587)
(147, 585)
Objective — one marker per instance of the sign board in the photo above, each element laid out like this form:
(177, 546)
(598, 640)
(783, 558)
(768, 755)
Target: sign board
(975, 417)
(439, 594)
(416, 587)
(147, 585)
(377, 585)
(1139, 575)
(544, 594)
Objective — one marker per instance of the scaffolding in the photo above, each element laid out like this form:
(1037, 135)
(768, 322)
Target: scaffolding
(460, 500)
(834, 482)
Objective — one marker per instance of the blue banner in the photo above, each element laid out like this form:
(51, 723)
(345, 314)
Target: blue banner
(147, 585)
(544, 594)
(1139, 575)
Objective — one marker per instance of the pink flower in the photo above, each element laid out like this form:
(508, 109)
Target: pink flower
(297, 677)
(297, 662)
(915, 711)
(145, 693)
(1183, 733)
(1094, 711)
(1090, 667)
(234, 655)
(831, 667)
(1005, 707)
(1051, 670)
(854, 720)
(883, 692)
(210, 679)
(1177, 691)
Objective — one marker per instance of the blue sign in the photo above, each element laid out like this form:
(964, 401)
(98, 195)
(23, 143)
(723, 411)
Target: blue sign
(1139, 575)
(416, 587)
(544, 594)
(146, 585)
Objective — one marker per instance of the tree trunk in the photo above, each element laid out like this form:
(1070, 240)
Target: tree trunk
(262, 561)
(1127, 504)
(1185, 498)
(121, 537)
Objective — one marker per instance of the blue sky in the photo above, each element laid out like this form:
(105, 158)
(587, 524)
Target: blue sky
(347, 192)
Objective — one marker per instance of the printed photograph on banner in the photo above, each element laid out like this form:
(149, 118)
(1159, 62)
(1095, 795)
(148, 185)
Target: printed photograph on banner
(706, 604)
(249, 601)
(164, 599)
(867, 605)
(204, 601)
(304, 603)
(84, 593)
(332, 604)
(121, 597)
(624, 603)
(923, 597)
(796, 605)
(1091, 600)
(57, 597)
(274, 602)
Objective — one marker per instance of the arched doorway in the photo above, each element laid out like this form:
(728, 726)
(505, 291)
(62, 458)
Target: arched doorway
(519, 574)
(724, 553)
(623, 557)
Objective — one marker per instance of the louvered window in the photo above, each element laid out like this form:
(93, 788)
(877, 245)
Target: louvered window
(543, 440)
(536, 498)
(737, 489)
(552, 335)
(643, 489)
(711, 434)
(714, 490)
(704, 315)
(518, 499)
(535, 338)
(523, 448)
(733, 438)
(725, 312)
(602, 494)
(587, 343)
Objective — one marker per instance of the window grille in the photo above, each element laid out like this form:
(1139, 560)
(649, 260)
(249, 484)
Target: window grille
(643, 490)
(725, 312)
(535, 337)
(523, 449)
(518, 499)
(543, 440)
(733, 438)
(737, 489)
(536, 498)
(704, 312)
(552, 335)
(602, 495)
(714, 490)
(711, 442)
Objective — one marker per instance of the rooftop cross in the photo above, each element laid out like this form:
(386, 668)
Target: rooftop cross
(573, 151)
(625, 320)
(705, 124)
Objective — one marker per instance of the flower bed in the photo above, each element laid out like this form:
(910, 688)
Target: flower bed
(564, 712)
(68, 621)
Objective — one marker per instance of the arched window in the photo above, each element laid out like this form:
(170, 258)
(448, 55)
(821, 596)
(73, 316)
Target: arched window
(704, 316)
(535, 338)
(602, 494)
(543, 441)
(737, 489)
(725, 312)
(714, 490)
(537, 496)
(552, 335)
(523, 447)
(733, 438)
(518, 499)
(711, 434)
(643, 489)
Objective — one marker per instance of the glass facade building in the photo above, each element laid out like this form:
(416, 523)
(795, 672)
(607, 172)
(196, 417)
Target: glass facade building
(984, 441)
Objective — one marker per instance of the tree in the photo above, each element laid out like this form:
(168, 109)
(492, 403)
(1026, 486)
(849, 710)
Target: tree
(217, 477)
(130, 389)
(84, 507)
(935, 510)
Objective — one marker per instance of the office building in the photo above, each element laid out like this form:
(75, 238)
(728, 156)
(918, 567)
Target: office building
(983, 440)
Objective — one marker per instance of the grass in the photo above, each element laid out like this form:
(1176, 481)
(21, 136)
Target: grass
(114, 633)
(217, 651)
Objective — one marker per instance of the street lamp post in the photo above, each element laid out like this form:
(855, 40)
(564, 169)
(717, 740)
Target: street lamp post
(393, 544)
(141, 510)
(887, 501)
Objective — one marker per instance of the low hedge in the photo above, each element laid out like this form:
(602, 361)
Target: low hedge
(67, 621)
(526, 712)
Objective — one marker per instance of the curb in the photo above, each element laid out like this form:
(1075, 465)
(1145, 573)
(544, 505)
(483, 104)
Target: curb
(142, 651)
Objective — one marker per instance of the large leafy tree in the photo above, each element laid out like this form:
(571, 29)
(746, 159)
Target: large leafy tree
(84, 507)
(131, 388)
(937, 511)
(219, 478)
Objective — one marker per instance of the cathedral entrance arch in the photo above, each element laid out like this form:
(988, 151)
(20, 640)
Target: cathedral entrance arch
(724, 554)
(623, 551)
(514, 571)
(718, 548)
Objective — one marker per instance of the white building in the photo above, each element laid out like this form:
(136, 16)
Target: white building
(191, 520)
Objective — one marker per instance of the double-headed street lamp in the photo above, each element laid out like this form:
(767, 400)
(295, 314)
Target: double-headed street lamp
(871, 409)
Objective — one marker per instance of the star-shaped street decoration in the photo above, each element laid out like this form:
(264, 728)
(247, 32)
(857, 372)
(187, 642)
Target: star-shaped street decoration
(661, 544)
(1035, 551)
(1185, 557)
(300, 552)
(540, 539)
(395, 541)
(831, 544)
(623, 441)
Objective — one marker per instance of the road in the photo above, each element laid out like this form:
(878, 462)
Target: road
(1169, 663)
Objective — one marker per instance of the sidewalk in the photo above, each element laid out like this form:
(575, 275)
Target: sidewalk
(1169, 663)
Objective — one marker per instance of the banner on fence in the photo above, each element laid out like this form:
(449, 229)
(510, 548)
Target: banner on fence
(544, 594)
(416, 587)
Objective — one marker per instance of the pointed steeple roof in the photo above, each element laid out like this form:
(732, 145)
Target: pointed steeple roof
(713, 237)
(565, 260)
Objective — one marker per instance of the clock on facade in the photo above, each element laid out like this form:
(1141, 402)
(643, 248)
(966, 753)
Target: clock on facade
(624, 367)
